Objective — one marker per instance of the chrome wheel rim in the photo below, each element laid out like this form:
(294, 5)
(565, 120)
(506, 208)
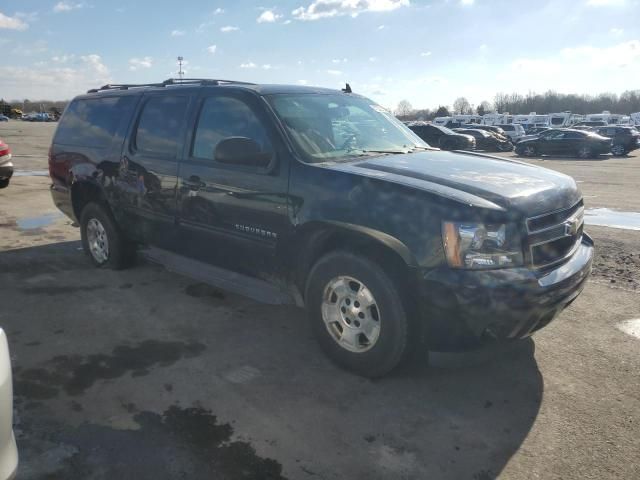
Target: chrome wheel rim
(350, 314)
(97, 240)
(529, 151)
(584, 152)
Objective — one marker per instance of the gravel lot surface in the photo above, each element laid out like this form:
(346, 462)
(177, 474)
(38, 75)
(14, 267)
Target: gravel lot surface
(149, 375)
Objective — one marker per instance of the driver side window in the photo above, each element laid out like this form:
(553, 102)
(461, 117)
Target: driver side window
(224, 117)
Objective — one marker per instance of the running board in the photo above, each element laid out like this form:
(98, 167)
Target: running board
(256, 289)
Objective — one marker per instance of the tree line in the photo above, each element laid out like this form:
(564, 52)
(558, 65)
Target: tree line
(516, 103)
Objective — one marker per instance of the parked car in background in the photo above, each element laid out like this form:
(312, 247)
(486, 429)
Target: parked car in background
(6, 166)
(324, 199)
(442, 137)
(591, 123)
(565, 141)
(488, 141)
(4, 118)
(536, 132)
(514, 131)
(8, 448)
(624, 139)
(487, 128)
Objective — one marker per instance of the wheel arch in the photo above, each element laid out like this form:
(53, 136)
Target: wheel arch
(84, 191)
(319, 238)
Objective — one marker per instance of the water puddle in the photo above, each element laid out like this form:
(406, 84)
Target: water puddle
(630, 327)
(32, 223)
(605, 217)
(31, 173)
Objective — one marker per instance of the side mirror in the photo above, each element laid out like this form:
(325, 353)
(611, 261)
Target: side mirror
(241, 151)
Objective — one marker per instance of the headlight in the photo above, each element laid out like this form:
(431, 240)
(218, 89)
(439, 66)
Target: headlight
(480, 245)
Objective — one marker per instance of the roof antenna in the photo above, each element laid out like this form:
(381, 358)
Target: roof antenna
(347, 88)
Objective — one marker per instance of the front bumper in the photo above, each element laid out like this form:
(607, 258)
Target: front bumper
(466, 308)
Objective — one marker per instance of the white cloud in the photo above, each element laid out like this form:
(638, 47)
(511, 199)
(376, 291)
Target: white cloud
(12, 23)
(381, 27)
(425, 54)
(339, 60)
(212, 49)
(63, 58)
(248, 65)
(267, 66)
(218, 11)
(94, 61)
(605, 3)
(228, 29)
(67, 6)
(467, 2)
(268, 16)
(177, 33)
(334, 72)
(137, 63)
(617, 32)
(302, 82)
(334, 8)
(373, 59)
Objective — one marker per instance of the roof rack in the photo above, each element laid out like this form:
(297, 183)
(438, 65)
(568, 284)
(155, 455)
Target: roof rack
(168, 82)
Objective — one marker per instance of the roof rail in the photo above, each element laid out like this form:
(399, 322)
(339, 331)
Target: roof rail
(169, 81)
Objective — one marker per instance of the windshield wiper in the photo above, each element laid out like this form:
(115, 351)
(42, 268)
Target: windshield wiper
(365, 151)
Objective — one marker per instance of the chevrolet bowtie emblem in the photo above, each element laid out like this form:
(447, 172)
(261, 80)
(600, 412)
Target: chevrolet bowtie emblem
(571, 227)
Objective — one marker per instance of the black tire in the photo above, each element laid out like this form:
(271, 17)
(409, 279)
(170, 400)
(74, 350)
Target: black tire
(392, 344)
(121, 251)
(448, 145)
(4, 183)
(527, 150)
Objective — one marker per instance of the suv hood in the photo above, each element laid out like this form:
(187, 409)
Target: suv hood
(475, 179)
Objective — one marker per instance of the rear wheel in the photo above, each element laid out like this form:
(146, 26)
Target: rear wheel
(585, 152)
(357, 314)
(618, 150)
(102, 241)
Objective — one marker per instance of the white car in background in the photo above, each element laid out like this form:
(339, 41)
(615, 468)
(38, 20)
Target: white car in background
(8, 449)
(514, 131)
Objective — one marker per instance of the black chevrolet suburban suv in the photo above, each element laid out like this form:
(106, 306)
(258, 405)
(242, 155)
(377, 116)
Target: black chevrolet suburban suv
(323, 199)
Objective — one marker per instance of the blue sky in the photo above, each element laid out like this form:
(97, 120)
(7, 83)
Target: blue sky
(428, 52)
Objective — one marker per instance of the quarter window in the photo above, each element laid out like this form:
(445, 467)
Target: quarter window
(224, 117)
(160, 125)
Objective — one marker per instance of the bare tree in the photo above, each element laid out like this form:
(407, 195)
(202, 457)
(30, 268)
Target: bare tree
(462, 106)
(404, 109)
(484, 107)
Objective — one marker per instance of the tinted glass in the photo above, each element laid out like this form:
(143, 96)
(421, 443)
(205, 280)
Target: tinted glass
(224, 117)
(334, 126)
(574, 135)
(93, 122)
(160, 125)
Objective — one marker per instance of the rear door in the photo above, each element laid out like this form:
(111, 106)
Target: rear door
(233, 215)
(149, 167)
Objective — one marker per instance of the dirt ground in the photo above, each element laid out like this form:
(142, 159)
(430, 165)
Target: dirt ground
(149, 375)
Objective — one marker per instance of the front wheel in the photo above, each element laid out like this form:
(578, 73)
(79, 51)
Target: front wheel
(527, 150)
(4, 183)
(102, 241)
(358, 315)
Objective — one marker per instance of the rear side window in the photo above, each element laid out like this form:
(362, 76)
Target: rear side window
(93, 122)
(507, 128)
(160, 125)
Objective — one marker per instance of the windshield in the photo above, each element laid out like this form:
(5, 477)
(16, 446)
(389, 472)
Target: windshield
(334, 127)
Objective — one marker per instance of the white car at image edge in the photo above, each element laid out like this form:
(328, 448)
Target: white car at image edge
(8, 449)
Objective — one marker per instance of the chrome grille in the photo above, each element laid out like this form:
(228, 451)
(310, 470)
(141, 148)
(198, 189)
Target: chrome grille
(554, 236)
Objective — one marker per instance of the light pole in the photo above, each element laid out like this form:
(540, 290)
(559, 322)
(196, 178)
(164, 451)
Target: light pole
(180, 72)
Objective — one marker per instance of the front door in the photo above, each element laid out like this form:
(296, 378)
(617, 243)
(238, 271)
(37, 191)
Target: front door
(233, 215)
(554, 144)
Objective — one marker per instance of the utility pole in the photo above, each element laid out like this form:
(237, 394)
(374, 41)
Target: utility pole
(180, 72)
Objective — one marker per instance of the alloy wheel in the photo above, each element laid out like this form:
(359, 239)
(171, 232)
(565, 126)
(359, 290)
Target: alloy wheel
(97, 240)
(351, 314)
